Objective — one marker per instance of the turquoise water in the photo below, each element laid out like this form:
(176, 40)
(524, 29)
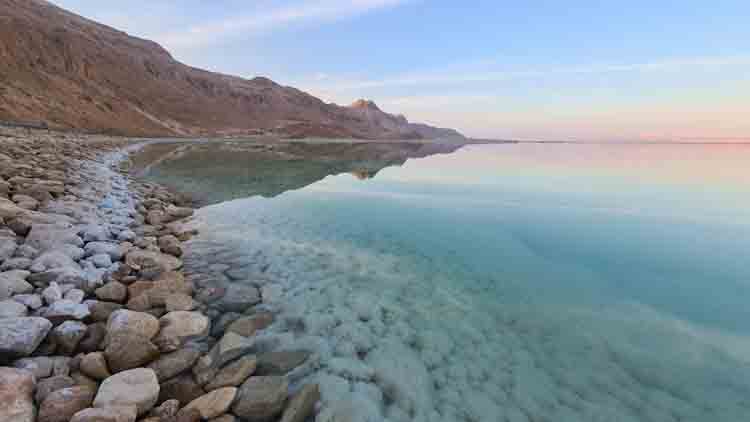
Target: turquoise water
(513, 283)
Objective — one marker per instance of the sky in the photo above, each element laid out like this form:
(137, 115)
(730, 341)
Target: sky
(536, 70)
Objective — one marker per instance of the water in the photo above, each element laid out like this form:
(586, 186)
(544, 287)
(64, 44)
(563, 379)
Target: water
(511, 283)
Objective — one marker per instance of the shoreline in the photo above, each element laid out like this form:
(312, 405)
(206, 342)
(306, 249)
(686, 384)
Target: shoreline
(98, 318)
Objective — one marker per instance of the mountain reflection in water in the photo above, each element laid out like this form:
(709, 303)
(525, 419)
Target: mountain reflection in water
(213, 172)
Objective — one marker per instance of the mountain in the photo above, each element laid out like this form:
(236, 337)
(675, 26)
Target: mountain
(66, 71)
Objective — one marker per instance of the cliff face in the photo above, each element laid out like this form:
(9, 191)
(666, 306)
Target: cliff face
(69, 72)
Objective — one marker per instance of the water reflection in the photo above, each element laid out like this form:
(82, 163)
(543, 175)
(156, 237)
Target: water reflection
(213, 172)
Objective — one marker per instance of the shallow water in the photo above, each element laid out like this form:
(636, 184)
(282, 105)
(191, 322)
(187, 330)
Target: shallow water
(511, 283)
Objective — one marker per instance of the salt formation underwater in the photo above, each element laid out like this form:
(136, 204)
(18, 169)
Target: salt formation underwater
(493, 284)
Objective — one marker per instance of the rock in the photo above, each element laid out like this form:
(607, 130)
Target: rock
(16, 401)
(64, 275)
(101, 311)
(40, 366)
(21, 336)
(126, 236)
(214, 403)
(166, 410)
(107, 414)
(280, 363)
(67, 336)
(95, 233)
(52, 384)
(238, 298)
(180, 302)
(9, 210)
(27, 202)
(8, 247)
(128, 350)
(66, 310)
(44, 237)
(183, 326)
(91, 341)
(233, 374)
(51, 260)
(172, 364)
(30, 301)
(83, 380)
(27, 252)
(123, 320)
(112, 292)
(11, 309)
(248, 326)
(149, 260)
(139, 303)
(61, 365)
(61, 405)
(230, 347)
(170, 245)
(188, 415)
(52, 294)
(101, 260)
(136, 387)
(94, 365)
(75, 295)
(302, 405)
(114, 250)
(15, 264)
(177, 213)
(167, 285)
(261, 399)
(182, 388)
(224, 418)
(13, 283)
(155, 217)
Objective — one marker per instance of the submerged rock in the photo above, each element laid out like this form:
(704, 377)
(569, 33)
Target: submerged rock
(261, 399)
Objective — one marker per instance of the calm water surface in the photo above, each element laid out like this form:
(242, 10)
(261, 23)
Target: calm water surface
(512, 283)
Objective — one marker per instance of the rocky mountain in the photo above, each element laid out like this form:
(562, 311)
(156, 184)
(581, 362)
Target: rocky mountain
(65, 71)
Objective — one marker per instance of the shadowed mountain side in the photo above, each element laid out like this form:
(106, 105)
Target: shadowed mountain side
(65, 71)
(217, 172)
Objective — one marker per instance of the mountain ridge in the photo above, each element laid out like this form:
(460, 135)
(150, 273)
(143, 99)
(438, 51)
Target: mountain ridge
(69, 72)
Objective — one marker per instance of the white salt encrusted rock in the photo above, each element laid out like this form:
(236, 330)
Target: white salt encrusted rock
(136, 387)
(21, 336)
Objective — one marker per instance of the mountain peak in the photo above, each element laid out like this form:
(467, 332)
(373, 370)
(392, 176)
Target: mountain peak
(365, 104)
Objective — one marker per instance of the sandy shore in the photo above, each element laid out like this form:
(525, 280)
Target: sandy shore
(98, 320)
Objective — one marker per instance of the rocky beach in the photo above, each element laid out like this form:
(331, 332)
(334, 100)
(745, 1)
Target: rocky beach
(99, 321)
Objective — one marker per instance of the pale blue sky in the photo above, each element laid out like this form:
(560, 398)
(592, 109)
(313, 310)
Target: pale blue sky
(586, 70)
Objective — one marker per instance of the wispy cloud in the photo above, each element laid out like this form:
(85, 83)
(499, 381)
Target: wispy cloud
(269, 20)
(462, 76)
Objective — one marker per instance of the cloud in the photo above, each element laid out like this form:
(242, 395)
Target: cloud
(457, 76)
(303, 11)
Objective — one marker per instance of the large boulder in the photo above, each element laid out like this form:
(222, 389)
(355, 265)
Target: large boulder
(261, 399)
(146, 325)
(128, 350)
(21, 336)
(16, 401)
(215, 403)
(107, 414)
(172, 364)
(181, 326)
(61, 405)
(136, 387)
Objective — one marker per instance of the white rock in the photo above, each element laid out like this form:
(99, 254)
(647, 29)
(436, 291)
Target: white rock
(21, 336)
(137, 387)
